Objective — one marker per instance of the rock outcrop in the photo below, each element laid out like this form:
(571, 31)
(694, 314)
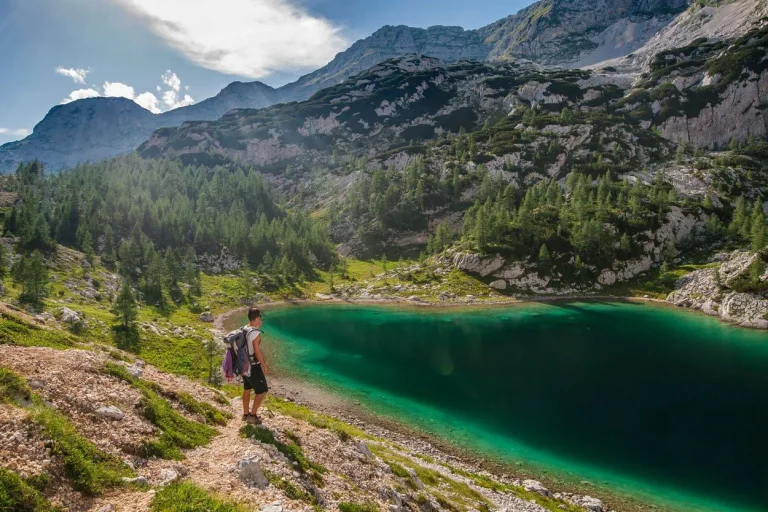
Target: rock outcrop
(710, 290)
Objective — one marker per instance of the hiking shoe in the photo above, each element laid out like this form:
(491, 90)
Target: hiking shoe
(253, 419)
(246, 416)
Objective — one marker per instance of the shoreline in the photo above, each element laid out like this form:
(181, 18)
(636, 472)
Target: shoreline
(222, 319)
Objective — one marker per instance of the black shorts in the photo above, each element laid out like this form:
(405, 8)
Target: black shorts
(257, 381)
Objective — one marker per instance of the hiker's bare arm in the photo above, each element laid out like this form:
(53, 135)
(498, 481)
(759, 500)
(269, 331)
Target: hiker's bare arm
(259, 355)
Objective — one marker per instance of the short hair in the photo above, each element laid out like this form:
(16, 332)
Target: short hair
(253, 313)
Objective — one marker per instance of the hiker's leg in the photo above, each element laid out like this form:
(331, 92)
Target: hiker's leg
(257, 402)
(246, 400)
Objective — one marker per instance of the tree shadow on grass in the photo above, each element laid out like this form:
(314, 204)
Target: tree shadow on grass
(126, 338)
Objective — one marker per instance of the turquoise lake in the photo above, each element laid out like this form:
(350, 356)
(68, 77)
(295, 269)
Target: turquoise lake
(664, 405)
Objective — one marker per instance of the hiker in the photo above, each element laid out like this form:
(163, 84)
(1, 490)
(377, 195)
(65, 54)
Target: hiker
(256, 379)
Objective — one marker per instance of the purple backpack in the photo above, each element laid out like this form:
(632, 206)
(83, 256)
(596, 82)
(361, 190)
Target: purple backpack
(237, 362)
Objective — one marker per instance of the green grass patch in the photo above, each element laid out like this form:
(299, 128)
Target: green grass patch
(210, 413)
(398, 470)
(291, 491)
(187, 497)
(15, 331)
(345, 506)
(343, 430)
(16, 495)
(13, 387)
(90, 469)
(293, 451)
(177, 432)
(463, 494)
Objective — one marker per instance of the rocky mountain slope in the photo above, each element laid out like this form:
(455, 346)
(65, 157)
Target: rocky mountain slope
(571, 33)
(83, 425)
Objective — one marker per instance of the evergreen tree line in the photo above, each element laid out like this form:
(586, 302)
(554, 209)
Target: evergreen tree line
(153, 218)
(592, 221)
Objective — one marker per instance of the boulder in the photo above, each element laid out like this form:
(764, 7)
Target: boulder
(477, 264)
(168, 475)
(249, 471)
(206, 317)
(135, 370)
(68, 316)
(537, 487)
(589, 503)
(499, 284)
(363, 448)
(110, 412)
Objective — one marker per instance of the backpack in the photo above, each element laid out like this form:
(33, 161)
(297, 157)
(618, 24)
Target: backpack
(237, 361)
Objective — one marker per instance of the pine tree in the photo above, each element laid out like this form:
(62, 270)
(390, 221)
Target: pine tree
(3, 261)
(738, 217)
(32, 275)
(212, 350)
(125, 306)
(544, 257)
(758, 235)
(625, 245)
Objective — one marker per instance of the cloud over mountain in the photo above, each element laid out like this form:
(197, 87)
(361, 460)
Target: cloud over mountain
(250, 38)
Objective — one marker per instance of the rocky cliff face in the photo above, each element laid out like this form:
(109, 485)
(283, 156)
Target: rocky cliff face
(575, 32)
(448, 44)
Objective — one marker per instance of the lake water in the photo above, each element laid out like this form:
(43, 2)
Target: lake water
(668, 406)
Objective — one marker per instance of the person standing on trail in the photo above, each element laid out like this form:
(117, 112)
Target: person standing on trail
(257, 380)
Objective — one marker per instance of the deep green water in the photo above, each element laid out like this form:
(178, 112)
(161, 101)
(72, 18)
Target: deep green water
(661, 404)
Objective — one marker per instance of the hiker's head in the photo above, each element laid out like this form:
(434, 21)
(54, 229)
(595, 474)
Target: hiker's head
(254, 316)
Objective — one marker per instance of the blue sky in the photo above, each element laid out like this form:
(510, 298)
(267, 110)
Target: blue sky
(168, 53)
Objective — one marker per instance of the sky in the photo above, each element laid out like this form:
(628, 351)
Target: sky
(165, 54)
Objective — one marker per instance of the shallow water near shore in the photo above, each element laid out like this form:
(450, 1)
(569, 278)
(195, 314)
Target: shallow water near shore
(653, 402)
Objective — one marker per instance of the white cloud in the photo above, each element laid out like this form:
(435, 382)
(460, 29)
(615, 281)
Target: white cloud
(118, 90)
(76, 74)
(149, 101)
(173, 100)
(14, 132)
(170, 98)
(250, 38)
(171, 80)
(81, 94)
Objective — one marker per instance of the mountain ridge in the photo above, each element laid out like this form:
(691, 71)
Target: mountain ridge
(571, 33)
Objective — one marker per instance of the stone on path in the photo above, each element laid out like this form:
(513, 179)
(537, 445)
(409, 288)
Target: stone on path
(110, 412)
(206, 317)
(363, 448)
(250, 473)
(277, 506)
(168, 475)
